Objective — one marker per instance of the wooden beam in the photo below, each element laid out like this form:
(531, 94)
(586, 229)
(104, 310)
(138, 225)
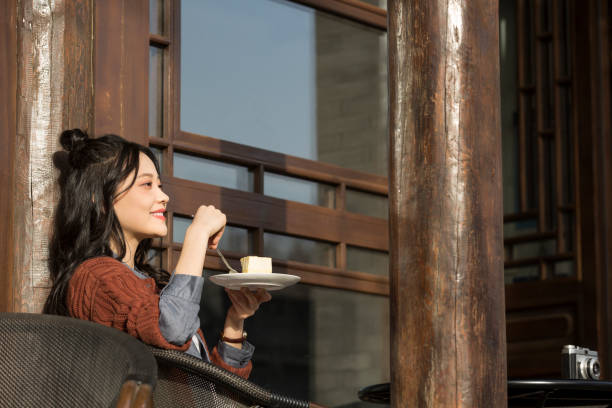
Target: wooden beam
(447, 288)
(594, 199)
(8, 88)
(275, 215)
(356, 10)
(122, 68)
(54, 92)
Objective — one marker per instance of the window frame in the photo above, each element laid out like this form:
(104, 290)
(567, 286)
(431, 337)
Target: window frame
(253, 210)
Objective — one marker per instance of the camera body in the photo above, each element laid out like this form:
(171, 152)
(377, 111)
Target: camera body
(579, 363)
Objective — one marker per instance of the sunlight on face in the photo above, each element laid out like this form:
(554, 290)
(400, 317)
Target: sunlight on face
(141, 209)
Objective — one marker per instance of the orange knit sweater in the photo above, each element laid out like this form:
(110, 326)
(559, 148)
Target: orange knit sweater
(105, 291)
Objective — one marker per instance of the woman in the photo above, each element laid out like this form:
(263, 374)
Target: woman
(111, 206)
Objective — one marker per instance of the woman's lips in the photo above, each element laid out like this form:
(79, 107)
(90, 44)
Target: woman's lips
(159, 215)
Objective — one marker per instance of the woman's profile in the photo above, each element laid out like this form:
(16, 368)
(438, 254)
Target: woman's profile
(111, 205)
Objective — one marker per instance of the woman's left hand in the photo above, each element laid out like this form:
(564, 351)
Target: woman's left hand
(245, 302)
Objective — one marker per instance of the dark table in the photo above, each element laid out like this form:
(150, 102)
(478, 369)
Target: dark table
(530, 393)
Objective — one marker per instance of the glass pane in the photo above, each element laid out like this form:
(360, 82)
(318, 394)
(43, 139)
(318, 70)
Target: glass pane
(522, 274)
(302, 82)
(156, 16)
(367, 203)
(567, 146)
(535, 249)
(312, 343)
(213, 172)
(299, 249)
(156, 91)
(518, 228)
(294, 189)
(509, 104)
(235, 239)
(564, 269)
(367, 260)
(159, 156)
(179, 227)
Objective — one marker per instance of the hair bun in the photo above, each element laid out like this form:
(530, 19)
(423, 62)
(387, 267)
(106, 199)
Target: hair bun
(73, 139)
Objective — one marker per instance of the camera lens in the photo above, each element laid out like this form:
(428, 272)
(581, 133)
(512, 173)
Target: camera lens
(594, 369)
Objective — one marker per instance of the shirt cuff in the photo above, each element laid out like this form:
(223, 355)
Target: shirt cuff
(236, 357)
(179, 305)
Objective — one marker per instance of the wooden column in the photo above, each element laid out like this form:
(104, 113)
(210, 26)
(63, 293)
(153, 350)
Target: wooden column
(53, 92)
(8, 91)
(122, 69)
(447, 286)
(593, 127)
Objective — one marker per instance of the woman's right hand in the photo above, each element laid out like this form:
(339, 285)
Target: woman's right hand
(206, 228)
(210, 221)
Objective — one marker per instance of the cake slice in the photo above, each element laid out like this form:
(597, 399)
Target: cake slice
(256, 264)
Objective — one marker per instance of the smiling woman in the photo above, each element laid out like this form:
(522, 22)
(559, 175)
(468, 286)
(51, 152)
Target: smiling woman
(111, 206)
(141, 204)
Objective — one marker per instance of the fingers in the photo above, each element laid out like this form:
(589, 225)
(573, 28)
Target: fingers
(263, 295)
(210, 219)
(247, 302)
(250, 298)
(239, 306)
(214, 241)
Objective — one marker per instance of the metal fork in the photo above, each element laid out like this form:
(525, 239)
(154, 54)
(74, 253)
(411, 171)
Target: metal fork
(225, 262)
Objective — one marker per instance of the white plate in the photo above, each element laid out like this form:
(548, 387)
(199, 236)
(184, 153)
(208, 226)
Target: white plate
(267, 281)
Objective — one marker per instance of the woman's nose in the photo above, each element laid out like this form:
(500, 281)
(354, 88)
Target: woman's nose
(164, 197)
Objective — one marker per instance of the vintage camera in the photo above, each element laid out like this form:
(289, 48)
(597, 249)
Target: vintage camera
(579, 363)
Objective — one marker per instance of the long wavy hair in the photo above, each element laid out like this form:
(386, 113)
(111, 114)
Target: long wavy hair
(85, 224)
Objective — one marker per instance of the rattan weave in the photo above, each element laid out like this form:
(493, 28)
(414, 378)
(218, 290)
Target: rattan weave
(185, 381)
(54, 361)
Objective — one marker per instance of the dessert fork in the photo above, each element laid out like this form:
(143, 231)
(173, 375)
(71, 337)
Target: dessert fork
(232, 270)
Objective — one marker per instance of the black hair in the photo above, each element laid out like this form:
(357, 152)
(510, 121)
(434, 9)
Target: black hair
(85, 224)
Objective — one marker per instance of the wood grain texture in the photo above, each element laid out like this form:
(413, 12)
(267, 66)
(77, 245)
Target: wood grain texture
(282, 163)
(53, 87)
(309, 274)
(447, 293)
(541, 318)
(122, 66)
(8, 88)
(275, 215)
(592, 126)
(356, 10)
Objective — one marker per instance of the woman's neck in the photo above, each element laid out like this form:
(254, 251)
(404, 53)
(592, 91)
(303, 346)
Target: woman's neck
(130, 251)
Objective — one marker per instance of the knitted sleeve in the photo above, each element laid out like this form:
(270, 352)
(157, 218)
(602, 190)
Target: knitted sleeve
(217, 360)
(105, 291)
(215, 357)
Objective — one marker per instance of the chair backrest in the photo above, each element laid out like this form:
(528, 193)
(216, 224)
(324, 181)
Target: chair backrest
(55, 361)
(186, 381)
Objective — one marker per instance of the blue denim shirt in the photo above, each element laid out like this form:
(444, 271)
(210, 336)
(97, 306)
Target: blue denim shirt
(179, 305)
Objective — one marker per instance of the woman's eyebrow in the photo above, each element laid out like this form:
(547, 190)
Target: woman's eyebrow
(147, 175)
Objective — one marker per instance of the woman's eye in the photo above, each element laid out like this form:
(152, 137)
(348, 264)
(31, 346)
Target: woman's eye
(149, 184)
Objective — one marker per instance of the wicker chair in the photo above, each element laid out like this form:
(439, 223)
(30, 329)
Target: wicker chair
(186, 381)
(54, 361)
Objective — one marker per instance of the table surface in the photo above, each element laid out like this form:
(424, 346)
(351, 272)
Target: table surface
(529, 393)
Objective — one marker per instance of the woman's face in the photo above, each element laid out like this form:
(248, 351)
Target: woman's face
(141, 209)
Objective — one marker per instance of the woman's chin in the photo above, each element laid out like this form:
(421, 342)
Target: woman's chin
(158, 233)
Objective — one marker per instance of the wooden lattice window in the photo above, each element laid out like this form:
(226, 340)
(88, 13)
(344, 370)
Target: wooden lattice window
(540, 201)
(333, 225)
(324, 222)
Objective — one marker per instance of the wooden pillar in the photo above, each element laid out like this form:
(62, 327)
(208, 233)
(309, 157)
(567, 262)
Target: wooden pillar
(122, 69)
(53, 92)
(447, 285)
(593, 128)
(8, 92)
